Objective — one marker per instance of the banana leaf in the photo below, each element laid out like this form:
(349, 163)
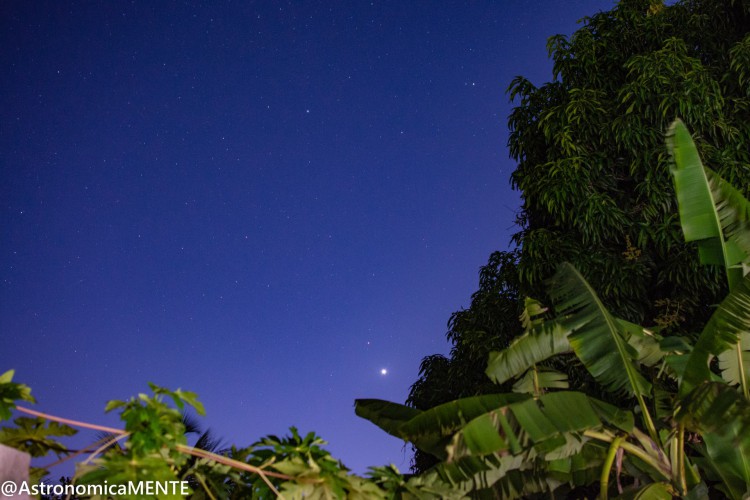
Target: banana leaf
(726, 462)
(722, 336)
(536, 378)
(430, 430)
(711, 407)
(541, 340)
(541, 423)
(597, 338)
(712, 212)
(518, 476)
(735, 363)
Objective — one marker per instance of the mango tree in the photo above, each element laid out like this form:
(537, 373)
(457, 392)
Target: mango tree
(683, 428)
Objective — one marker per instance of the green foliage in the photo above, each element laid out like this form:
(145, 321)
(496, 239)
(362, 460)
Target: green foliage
(151, 423)
(315, 473)
(417, 487)
(597, 337)
(592, 161)
(10, 392)
(541, 340)
(154, 430)
(558, 440)
(712, 212)
(429, 430)
(155, 449)
(35, 436)
(593, 173)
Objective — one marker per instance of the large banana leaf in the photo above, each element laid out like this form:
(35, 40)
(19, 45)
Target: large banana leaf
(597, 338)
(430, 430)
(722, 335)
(518, 476)
(712, 212)
(610, 414)
(542, 340)
(542, 423)
(386, 415)
(645, 343)
(511, 477)
(547, 446)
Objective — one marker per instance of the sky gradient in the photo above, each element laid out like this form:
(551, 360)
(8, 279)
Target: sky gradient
(266, 203)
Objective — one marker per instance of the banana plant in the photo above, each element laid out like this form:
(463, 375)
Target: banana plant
(716, 216)
(546, 438)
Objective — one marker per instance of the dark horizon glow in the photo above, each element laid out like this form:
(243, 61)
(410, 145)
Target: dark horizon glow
(274, 205)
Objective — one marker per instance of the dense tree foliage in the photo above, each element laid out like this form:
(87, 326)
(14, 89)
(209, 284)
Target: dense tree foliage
(592, 165)
(689, 438)
(594, 178)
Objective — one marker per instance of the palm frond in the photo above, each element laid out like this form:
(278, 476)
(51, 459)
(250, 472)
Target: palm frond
(191, 423)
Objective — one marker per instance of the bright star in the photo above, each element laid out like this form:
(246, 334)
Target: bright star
(383, 371)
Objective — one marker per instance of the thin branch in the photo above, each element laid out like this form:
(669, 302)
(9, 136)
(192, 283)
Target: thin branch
(74, 453)
(236, 464)
(69, 421)
(197, 452)
(199, 478)
(105, 446)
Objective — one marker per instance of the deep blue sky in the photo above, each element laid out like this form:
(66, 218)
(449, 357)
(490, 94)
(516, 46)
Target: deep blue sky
(266, 203)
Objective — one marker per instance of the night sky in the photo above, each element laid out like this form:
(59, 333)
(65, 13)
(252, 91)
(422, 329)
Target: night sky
(265, 203)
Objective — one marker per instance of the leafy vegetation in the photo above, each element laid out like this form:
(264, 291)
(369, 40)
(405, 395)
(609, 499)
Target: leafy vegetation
(593, 172)
(689, 433)
(577, 398)
(154, 448)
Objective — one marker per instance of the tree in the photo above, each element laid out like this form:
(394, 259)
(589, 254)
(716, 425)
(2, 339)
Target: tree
(690, 442)
(592, 164)
(593, 174)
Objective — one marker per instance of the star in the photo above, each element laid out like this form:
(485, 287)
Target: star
(383, 371)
